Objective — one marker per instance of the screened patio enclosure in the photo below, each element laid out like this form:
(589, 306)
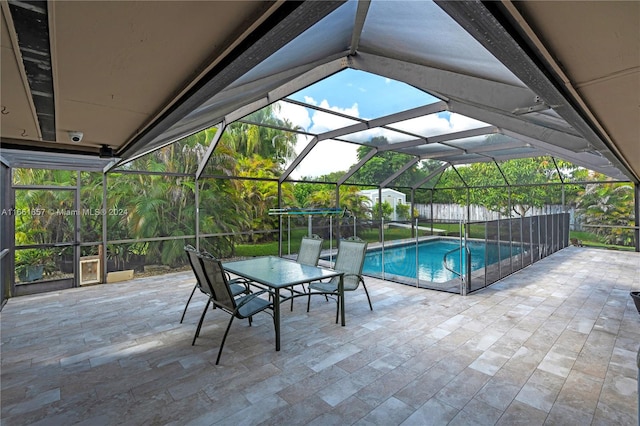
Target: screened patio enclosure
(449, 91)
(167, 181)
(403, 95)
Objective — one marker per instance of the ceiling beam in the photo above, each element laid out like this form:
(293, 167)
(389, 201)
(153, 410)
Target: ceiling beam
(483, 100)
(210, 113)
(585, 159)
(312, 143)
(361, 16)
(521, 126)
(30, 22)
(286, 23)
(383, 121)
(403, 169)
(482, 149)
(447, 84)
(356, 167)
(485, 22)
(430, 176)
(283, 84)
(212, 146)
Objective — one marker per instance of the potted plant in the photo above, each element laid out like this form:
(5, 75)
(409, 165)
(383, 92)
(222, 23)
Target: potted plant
(115, 258)
(117, 263)
(31, 264)
(64, 260)
(136, 256)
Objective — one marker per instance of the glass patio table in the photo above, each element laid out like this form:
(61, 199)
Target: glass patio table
(276, 273)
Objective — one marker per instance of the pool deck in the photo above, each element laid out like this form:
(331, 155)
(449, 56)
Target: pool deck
(555, 343)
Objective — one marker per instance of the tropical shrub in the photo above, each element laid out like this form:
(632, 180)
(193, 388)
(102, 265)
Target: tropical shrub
(609, 205)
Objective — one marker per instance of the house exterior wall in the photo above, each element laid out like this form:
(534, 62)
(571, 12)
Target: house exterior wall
(391, 196)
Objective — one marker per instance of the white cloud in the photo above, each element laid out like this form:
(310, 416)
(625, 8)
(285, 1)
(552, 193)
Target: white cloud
(323, 122)
(331, 156)
(326, 156)
(296, 114)
(434, 124)
(462, 122)
(428, 125)
(309, 100)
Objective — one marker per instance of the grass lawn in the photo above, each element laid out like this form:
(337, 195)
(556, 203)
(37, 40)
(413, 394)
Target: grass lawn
(371, 235)
(589, 239)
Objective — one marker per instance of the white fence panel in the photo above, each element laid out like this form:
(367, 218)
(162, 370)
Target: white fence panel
(456, 212)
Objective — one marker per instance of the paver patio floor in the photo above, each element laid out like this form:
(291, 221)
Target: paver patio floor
(555, 343)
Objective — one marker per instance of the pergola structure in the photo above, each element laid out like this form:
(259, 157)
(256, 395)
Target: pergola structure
(93, 85)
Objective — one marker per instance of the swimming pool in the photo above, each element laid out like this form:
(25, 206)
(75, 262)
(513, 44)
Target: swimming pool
(400, 261)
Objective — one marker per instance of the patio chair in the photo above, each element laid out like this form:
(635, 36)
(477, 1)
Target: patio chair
(349, 260)
(309, 254)
(222, 297)
(238, 285)
(310, 248)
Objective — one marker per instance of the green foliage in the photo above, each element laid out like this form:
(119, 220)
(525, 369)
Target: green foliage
(34, 257)
(163, 204)
(402, 211)
(44, 216)
(325, 196)
(302, 193)
(609, 204)
(262, 195)
(489, 185)
(387, 211)
(383, 165)
(267, 142)
(257, 249)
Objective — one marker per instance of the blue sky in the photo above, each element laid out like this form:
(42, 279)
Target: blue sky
(376, 96)
(362, 95)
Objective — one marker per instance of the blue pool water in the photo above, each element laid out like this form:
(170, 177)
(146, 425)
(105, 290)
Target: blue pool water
(401, 260)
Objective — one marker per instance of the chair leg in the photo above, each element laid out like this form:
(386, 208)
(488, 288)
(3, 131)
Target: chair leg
(309, 299)
(204, 312)
(275, 327)
(367, 293)
(223, 339)
(185, 306)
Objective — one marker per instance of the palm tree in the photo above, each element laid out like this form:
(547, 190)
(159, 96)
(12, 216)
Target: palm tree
(355, 205)
(269, 142)
(610, 204)
(261, 195)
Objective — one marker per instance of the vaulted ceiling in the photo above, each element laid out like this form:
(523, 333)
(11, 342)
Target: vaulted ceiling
(558, 78)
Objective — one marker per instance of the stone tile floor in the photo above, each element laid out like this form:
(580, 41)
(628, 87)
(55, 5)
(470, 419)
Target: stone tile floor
(554, 344)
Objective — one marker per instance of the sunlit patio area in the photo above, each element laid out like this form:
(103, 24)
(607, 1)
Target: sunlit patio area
(176, 135)
(555, 343)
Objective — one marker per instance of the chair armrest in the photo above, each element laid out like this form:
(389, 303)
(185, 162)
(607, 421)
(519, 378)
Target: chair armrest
(359, 276)
(240, 280)
(250, 297)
